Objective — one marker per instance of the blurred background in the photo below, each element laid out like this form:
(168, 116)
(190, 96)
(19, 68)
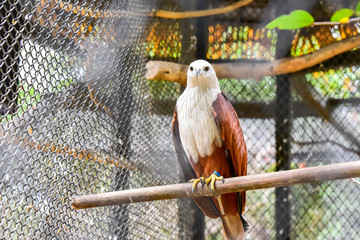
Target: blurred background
(78, 116)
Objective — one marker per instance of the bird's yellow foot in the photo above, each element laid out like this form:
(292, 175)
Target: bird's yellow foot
(195, 181)
(215, 176)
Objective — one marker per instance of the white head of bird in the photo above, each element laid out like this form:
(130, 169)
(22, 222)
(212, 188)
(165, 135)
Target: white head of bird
(201, 74)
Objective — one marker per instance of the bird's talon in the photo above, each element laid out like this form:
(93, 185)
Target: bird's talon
(206, 181)
(211, 180)
(195, 182)
(222, 179)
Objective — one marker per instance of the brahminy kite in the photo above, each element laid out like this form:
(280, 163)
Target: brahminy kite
(210, 145)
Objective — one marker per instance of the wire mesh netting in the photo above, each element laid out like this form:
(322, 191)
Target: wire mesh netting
(77, 116)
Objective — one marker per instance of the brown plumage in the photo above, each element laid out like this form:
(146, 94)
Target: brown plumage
(205, 118)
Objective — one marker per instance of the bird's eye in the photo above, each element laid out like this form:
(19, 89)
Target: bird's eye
(206, 68)
(191, 69)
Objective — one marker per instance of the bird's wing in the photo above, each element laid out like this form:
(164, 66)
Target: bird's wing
(232, 135)
(205, 203)
(186, 168)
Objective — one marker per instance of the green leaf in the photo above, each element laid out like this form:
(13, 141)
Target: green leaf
(357, 9)
(31, 92)
(342, 15)
(295, 20)
(276, 22)
(298, 19)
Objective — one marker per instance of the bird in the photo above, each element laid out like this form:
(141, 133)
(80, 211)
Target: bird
(210, 146)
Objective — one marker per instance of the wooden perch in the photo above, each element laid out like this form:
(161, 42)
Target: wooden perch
(236, 184)
(174, 72)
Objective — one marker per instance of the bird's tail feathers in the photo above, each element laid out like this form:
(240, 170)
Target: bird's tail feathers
(233, 227)
(244, 223)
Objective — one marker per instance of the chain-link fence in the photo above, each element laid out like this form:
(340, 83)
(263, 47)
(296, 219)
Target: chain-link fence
(77, 116)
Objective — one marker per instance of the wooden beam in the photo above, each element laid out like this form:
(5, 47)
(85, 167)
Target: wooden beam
(174, 72)
(236, 184)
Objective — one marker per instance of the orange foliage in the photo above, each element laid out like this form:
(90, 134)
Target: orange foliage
(164, 41)
(229, 42)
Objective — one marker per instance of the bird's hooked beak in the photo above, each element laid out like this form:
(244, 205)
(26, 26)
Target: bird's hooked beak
(197, 72)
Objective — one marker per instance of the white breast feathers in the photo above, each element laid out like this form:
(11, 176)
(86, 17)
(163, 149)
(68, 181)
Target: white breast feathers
(199, 133)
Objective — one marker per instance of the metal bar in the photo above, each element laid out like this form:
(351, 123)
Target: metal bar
(283, 116)
(236, 184)
(120, 215)
(283, 145)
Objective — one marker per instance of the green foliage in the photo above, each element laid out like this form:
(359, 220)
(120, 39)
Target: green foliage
(245, 90)
(315, 206)
(309, 202)
(28, 97)
(162, 90)
(300, 18)
(341, 83)
(342, 15)
(295, 20)
(272, 168)
(357, 9)
(63, 84)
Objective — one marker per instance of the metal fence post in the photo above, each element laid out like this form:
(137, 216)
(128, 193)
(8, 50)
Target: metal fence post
(283, 161)
(121, 181)
(282, 136)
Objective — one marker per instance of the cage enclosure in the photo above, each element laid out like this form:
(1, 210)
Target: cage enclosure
(78, 115)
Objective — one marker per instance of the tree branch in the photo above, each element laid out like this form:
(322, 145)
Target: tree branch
(310, 96)
(16, 138)
(201, 13)
(354, 181)
(335, 23)
(174, 72)
(236, 184)
(88, 12)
